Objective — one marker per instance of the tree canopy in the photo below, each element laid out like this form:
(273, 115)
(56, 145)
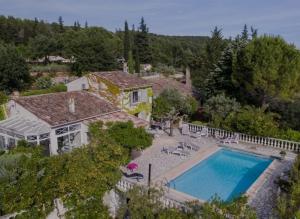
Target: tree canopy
(171, 104)
(30, 182)
(268, 68)
(14, 73)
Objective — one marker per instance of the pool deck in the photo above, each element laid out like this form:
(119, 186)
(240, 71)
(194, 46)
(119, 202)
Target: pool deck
(166, 167)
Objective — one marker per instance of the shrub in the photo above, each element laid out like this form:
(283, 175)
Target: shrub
(253, 121)
(51, 68)
(125, 134)
(2, 113)
(289, 134)
(3, 98)
(43, 83)
(218, 107)
(165, 69)
(53, 89)
(289, 201)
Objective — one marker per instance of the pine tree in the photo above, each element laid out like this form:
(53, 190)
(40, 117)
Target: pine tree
(245, 35)
(76, 25)
(253, 32)
(126, 42)
(61, 24)
(142, 43)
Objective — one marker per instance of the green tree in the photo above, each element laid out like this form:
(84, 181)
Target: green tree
(141, 42)
(3, 98)
(170, 105)
(137, 65)
(94, 49)
(80, 178)
(253, 121)
(125, 134)
(219, 107)
(43, 82)
(42, 46)
(131, 63)
(126, 42)
(14, 74)
(267, 68)
(140, 202)
(203, 70)
(61, 24)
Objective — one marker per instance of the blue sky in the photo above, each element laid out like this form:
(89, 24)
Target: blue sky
(172, 17)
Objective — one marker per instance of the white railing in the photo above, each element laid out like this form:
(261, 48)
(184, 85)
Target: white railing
(168, 202)
(265, 141)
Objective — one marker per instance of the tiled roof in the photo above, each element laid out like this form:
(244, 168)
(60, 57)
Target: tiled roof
(123, 80)
(54, 108)
(121, 117)
(161, 83)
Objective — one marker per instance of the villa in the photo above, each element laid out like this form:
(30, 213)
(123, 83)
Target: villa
(126, 91)
(59, 121)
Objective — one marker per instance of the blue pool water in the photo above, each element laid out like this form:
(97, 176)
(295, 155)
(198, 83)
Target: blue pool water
(226, 173)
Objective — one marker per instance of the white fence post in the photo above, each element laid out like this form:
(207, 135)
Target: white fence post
(265, 141)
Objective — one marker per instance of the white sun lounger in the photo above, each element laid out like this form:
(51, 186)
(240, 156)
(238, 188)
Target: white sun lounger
(233, 139)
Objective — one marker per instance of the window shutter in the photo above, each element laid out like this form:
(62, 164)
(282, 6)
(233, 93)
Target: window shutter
(131, 98)
(145, 96)
(140, 96)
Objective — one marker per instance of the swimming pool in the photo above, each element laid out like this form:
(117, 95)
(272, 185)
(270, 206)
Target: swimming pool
(227, 173)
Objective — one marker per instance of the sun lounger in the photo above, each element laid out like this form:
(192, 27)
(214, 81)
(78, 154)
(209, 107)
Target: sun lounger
(181, 153)
(191, 145)
(204, 132)
(136, 176)
(195, 134)
(232, 139)
(169, 150)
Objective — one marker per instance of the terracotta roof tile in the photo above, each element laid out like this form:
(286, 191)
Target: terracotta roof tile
(54, 108)
(121, 117)
(161, 83)
(123, 80)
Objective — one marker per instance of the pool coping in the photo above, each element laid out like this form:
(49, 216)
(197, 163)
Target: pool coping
(203, 154)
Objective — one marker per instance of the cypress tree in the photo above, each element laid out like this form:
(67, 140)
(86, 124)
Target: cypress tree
(245, 33)
(131, 63)
(61, 24)
(126, 42)
(142, 42)
(137, 62)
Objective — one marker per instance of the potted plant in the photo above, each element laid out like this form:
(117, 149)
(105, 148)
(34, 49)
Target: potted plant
(282, 154)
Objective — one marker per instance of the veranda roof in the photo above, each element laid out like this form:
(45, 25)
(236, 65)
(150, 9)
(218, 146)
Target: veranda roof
(18, 125)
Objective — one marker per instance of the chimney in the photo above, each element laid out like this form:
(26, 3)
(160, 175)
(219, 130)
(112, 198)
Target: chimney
(188, 82)
(125, 67)
(71, 104)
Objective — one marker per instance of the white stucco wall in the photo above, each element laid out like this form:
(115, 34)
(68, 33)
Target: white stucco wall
(77, 84)
(15, 109)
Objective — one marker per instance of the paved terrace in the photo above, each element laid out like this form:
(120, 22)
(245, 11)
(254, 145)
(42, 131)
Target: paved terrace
(167, 166)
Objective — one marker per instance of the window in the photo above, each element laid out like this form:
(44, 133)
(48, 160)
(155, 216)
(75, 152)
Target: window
(61, 131)
(135, 96)
(74, 127)
(44, 136)
(83, 87)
